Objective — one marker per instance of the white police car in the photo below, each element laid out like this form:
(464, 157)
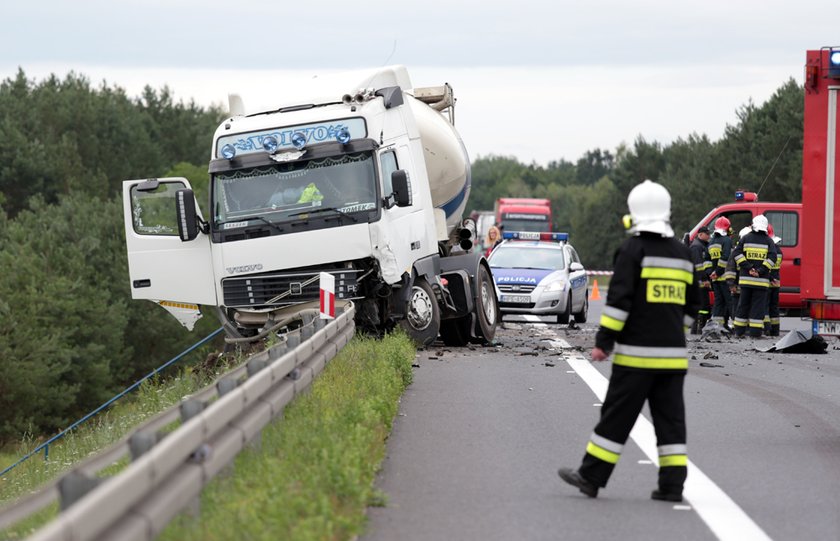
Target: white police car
(541, 274)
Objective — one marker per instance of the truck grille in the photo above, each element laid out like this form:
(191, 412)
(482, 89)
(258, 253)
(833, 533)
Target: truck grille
(279, 289)
(510, 288)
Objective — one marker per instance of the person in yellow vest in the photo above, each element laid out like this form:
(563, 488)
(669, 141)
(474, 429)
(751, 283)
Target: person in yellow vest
(755, 256)
(772, 321)
(310, 194)
(654, 296)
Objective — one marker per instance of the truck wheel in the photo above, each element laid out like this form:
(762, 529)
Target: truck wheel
(487, 307)
(563, 318)
(422, 319)
(456, 332)
(580, 317)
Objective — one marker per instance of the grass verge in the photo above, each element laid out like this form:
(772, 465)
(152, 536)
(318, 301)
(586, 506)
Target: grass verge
(152, 397)
(312, 478)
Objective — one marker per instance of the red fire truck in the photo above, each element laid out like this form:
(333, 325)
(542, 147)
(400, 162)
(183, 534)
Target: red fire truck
(787, 224)
(821, 190)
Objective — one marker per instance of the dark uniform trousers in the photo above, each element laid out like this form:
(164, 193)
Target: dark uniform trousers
(751, 309)
(627, 392)
(722, 310)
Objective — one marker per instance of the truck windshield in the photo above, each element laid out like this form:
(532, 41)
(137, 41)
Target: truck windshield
(284, 191)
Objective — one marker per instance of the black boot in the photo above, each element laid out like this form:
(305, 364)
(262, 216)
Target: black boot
(574, 478)
(666, 495)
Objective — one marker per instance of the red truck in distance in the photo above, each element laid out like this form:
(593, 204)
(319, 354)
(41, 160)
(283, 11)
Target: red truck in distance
(523, 214)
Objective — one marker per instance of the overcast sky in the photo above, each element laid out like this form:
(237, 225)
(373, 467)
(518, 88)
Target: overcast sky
(537, 80)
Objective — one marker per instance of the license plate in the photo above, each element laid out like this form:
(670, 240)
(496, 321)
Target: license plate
(830, 328)
(516, 298)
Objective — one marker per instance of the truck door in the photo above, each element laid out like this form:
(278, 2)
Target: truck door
(832, 199)
(161, 267)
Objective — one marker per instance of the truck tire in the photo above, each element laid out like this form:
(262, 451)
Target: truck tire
(580, 317)
(456, 332)
(486, 307)
(563, 318)
(422, 315)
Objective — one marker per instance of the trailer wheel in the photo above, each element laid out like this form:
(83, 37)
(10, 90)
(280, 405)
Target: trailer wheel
(456, 332)
(487, 307)
(422, 319)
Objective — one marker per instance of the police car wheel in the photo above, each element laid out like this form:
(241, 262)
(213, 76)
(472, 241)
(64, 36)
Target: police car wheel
(564, 317)
(580, 317)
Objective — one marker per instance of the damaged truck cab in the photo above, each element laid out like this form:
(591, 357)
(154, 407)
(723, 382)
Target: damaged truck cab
(366, 181)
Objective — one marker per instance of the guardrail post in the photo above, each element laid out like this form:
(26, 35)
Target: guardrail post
(255, 365)
(140, 442)
(73, 487)
(226, 385)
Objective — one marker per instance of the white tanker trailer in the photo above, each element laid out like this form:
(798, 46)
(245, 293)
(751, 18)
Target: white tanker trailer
(363, 178)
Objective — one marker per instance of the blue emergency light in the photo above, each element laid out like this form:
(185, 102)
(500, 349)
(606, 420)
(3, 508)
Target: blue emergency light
(744, 196)
(834, 63)
(536, 235)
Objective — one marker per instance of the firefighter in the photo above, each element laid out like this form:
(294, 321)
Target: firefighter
(755, 256)
(653, 297)
(772, 321)
(702, 268)
(731, 273)
(719, 250)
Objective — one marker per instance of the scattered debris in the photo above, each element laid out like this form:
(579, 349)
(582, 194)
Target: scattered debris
(714, 331)
(800, 341)
(415, 365)
(573, 325)
(712, 365)
(549, 363)
(710, 355)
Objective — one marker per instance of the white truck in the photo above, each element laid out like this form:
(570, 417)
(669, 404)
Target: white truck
(364, 178)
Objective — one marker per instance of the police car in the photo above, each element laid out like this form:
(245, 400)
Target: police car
(541, 274)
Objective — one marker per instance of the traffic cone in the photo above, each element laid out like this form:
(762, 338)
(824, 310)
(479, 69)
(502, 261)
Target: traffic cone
(595, 295)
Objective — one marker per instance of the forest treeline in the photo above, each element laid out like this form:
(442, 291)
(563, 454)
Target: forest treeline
(70, 335)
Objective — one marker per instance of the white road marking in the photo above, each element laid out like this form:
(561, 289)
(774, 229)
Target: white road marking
(720, 513)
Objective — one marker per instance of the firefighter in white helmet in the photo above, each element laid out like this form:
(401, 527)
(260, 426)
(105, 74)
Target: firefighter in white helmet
(653, 298)
(755, 256)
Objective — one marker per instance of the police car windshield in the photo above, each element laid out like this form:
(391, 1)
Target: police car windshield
(512, 256)
(278, 192)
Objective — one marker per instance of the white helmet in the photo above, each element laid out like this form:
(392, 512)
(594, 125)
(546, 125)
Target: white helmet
(744, 232)
(777, 240)
(650, 209)
(759, 223)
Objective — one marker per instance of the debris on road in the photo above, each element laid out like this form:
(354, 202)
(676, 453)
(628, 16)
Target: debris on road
(711, 365)
(549, 363)
(714, 331)
(710, 355)
(801, 341)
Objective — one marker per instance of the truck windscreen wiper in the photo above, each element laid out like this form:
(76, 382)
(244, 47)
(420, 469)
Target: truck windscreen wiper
(324, 209)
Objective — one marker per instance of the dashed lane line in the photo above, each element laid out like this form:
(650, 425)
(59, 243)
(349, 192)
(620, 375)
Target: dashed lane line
(721, 514)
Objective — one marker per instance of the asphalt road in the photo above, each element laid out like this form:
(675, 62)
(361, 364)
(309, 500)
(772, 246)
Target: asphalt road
(481, 432)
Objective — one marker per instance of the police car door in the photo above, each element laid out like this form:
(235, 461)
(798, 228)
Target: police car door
(161, 267)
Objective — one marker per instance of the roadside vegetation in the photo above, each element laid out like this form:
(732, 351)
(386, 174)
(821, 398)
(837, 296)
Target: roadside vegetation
(312, 476)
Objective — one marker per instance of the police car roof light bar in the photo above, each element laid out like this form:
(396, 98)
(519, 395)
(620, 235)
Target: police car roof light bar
(550, 236)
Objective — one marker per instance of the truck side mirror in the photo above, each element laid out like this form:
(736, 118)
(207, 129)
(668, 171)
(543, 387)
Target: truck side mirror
(188, 225)
(402, 189)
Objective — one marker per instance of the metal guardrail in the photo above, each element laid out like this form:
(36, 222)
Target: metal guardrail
(169, 471)
(46, 445)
